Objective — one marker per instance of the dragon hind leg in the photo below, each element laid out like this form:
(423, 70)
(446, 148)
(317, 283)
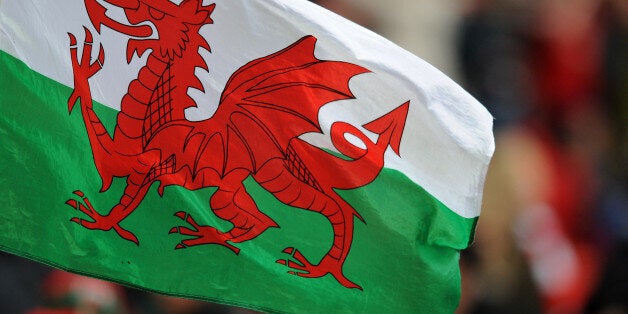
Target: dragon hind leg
(276, 178)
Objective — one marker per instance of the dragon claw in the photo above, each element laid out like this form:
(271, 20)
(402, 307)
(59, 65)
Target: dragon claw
(89, 39)
(72, 203)
(101, 56)
(199, 234)
(85, 68)
(72, 40)
(98, 221)
(300, 263)
(300, 266)
(292, 264)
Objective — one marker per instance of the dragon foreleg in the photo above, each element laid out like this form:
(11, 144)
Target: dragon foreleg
(99, 139)
(133, 195)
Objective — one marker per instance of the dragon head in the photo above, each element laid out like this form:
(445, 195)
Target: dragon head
(176, 25)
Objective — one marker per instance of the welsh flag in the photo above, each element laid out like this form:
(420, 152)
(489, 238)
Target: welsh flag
(261, 153)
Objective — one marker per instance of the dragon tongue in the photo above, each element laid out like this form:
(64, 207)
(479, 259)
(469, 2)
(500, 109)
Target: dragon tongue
(135, 46)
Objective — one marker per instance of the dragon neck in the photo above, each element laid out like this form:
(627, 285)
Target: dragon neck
(178, 75)
(159, 95)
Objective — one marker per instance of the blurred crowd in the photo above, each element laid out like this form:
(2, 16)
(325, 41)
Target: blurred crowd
(553, 233)
(552, 236)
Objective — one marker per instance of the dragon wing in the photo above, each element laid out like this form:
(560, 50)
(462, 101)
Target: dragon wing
(271, 100)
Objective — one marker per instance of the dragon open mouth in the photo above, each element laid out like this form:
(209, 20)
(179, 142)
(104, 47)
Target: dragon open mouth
(98, 17)
(156, 8)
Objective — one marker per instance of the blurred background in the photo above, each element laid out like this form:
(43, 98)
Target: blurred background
(553, 233)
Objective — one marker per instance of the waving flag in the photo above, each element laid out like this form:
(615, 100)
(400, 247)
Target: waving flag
(266, 154)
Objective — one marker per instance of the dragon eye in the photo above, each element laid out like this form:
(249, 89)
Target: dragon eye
(156, 14)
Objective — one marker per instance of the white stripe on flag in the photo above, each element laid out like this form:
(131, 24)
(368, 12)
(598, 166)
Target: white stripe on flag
(447, 141)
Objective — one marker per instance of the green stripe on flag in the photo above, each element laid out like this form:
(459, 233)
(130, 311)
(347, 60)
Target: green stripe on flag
(405, 257)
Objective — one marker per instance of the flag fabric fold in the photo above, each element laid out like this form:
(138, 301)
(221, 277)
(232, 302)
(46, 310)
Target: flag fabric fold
(266, 154)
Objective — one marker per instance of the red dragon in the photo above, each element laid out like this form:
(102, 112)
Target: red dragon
(264, 108)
